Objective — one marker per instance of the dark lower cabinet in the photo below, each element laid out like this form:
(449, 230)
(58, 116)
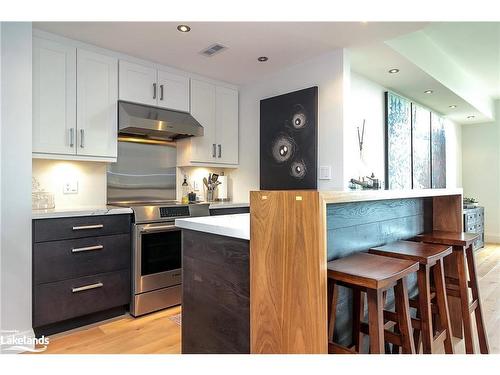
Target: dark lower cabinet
(215, 294)
(81, 271)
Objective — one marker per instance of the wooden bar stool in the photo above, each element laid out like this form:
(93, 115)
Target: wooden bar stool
(430, 257)
(459, 287)
(373, 274)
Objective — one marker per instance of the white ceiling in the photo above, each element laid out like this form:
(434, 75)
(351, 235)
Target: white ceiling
(285, 43)
(374, 61)
(475, 46)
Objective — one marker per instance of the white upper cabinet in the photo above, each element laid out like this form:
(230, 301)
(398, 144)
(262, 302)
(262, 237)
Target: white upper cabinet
(54, 97)
(138, 83)
(147, 85)
(226, 118)
(173, 91)
(216, 109)
(203, 148)
(74, 103)
(97, 95)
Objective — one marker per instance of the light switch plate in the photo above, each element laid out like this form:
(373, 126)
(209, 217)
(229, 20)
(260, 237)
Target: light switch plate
(195, 185)
(325, 172)
(70, 187)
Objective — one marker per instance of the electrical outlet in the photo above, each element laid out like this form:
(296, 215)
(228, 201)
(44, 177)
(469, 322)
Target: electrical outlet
(70, 187)
(196, 186)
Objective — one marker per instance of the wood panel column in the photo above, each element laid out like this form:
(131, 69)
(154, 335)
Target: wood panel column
(288, 283)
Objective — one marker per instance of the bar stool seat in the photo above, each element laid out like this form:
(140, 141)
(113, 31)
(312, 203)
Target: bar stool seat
(373, 274)
(448, 238)
(463, 263)
(430, 258)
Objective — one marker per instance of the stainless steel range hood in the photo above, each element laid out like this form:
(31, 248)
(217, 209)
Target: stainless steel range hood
(156, 123)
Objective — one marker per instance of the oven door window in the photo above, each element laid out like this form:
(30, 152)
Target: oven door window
(160, 252)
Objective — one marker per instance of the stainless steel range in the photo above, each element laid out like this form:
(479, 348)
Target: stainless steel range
(144, 178)
(157, 253)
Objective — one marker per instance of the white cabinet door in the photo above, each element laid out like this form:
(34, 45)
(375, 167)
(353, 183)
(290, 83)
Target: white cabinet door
(226, 118)
(54, 97)
(138, 83)
(203, 149)
(97, 94)
(173, 91)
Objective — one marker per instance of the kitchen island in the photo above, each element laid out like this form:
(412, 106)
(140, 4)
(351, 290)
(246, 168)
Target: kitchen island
(215, 284)
(295, 233)
(293, 236)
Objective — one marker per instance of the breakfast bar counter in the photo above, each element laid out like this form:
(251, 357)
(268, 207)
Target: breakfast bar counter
(295, 233)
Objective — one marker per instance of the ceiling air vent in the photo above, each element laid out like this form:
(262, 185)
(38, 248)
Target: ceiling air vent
(213, 49)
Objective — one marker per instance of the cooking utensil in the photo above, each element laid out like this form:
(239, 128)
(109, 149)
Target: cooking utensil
(205, 182)
(215, 177)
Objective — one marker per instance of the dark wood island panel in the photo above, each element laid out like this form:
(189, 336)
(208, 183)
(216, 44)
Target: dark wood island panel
(215, 294)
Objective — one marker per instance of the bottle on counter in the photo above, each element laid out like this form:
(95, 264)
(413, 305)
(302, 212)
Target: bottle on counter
(185, 191)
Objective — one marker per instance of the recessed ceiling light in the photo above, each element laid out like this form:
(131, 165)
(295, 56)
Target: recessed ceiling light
(453, 106)
(263, 58)
(470, 117)
(428, 92)
(393, 71)
(184, 28)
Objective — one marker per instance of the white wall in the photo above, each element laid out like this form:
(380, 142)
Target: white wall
(330, 73)
(16, 177)
(481, 171)
(91, 177)
(367, 102)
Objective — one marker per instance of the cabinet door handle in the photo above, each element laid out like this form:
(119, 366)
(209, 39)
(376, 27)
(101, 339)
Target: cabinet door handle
(83, 227)
(161, 92)
(220, 150)
(82, 136)
(71, 137)
(154, 90)
(88, 248)
(214, 152)
(87, 287)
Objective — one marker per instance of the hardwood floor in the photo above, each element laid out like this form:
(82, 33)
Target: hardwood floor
(151, 334)
(157, 334)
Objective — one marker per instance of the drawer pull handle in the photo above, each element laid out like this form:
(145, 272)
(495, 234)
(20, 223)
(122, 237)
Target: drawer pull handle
(87, 287)
(83, 227)
(88, 248)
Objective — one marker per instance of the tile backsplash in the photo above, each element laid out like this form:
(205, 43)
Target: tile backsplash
(89, 178)
(195, 179)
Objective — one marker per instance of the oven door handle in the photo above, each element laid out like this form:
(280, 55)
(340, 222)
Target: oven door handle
(158, 228)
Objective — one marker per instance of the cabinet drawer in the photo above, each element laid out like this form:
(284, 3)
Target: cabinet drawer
(67, 299)
(61, 260)
(78, 227)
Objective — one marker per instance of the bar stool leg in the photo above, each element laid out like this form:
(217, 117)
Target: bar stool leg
(403, 309)
(464, 299)
(444, 314)
(357, 315)
(481, 328)
(424, 297)
(333, 312)
(376, 321)
(417, 335)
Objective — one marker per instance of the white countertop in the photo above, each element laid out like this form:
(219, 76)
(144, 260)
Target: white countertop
(237, 226)
(216, 205)
(79, 211)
